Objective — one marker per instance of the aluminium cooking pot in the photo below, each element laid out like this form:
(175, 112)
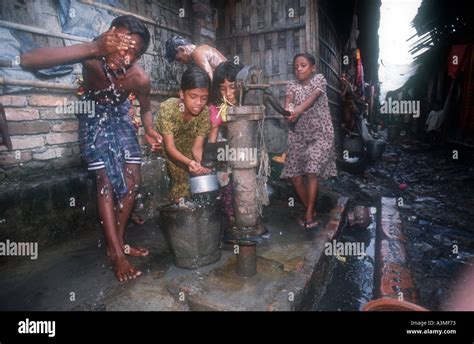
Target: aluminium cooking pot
(203, 183)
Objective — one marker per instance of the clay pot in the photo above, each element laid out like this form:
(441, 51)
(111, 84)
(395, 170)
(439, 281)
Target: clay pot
(394, 305)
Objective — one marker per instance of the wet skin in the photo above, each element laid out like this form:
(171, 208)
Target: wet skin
(121, 50)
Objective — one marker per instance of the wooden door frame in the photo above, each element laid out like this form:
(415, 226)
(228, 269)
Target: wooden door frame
(312, 27)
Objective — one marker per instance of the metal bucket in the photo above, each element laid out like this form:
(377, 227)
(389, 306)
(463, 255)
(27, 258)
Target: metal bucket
(204, 183)
(353, 144)
(375, 149)
(193, 233)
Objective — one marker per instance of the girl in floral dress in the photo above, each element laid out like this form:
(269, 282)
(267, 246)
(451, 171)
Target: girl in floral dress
(311, 152)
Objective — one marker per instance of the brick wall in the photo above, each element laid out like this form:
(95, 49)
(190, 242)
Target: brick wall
(43, 138)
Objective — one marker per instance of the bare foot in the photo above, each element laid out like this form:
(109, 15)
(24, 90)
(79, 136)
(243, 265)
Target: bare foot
(124, 271)
(280, 159)
(310, 221)
(136, 251)
(137, 219)
(309, 217)
(133, 251)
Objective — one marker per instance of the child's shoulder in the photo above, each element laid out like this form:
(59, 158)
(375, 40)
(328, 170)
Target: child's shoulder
(169, 107)
(319, 77)
(140, 77)
(170, 103)
(317, 80)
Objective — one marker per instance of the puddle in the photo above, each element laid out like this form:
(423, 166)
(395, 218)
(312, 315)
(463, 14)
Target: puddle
(352, 278)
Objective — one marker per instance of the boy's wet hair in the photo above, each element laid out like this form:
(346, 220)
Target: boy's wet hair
(135, 26)
(172, 45)
(194, 77)
(225, 70)
(311, 59)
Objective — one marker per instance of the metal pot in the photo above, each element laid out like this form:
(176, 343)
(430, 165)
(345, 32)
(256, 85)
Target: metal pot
(204, 183)
(375, 149)
(193, 233)
(353, 144)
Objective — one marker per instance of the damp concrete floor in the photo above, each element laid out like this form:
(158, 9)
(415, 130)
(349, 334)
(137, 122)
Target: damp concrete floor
(76, 275)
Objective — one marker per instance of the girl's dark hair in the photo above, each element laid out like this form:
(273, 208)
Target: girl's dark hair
(307, 56)
(135, 26)
(225, 70)
(194, 77)
(172, 45)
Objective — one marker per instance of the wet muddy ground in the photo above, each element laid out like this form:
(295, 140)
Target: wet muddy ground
(437, 195)
(351, 283)
(435, 187)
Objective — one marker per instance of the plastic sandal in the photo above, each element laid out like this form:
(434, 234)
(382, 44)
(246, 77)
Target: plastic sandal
(311, 224)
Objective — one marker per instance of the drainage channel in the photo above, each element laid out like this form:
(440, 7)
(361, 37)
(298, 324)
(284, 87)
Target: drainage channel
(351, 283)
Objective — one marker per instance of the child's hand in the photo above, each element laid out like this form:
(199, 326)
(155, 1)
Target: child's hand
(206, 170)
(294, 116)
(196, 168)
(154, 139)
(297, 111)
(111, 41)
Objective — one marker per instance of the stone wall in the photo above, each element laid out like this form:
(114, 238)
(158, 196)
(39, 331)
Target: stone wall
(49, 210)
